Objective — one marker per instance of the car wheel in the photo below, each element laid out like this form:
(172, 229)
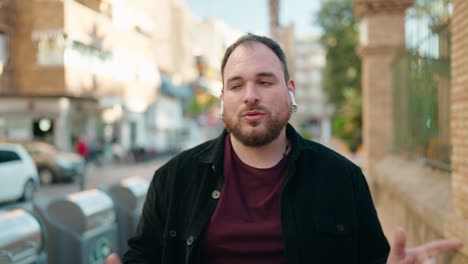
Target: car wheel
(28, 192)
(46, 176)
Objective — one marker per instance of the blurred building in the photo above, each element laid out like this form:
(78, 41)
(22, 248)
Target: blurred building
(274, 11)
(210, 38)
(314, 114)
(91, 68)
(7, 27)
(76, 68)
(288, 43)
(209, 43)
(284, 35)
(174, 25)
(189, 52)
(134, 47)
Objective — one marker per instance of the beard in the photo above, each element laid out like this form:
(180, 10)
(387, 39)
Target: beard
(247, 135)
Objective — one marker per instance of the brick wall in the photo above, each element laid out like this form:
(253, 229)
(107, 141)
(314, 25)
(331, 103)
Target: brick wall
(417, 198)
(22, 53)
(381, 33)
(427, 203)
(459, 108)
(49, 14)
(7, 27)
(30, 78)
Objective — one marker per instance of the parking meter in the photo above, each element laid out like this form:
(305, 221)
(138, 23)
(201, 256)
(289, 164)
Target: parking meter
(22, 238)
(128, 196)
(81, 227)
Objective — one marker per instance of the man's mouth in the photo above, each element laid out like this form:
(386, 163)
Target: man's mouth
(253, 115)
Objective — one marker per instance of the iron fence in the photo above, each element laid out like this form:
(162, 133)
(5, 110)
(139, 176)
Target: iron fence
(421, 92)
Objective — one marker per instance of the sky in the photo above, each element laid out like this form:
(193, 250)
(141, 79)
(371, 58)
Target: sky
(252, 15)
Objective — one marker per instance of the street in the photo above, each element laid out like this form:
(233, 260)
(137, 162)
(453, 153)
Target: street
(106, 174)
(112, 173)
(96, 176)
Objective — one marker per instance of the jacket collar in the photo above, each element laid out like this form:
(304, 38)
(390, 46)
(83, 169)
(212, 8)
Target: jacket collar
(213, 152)
(297, 142)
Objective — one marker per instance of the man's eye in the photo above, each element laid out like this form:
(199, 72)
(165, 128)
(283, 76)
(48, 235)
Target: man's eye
(235, 87)
(265, 83)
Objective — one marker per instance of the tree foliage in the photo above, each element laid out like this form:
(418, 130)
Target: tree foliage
(435, 10)
(342, 72)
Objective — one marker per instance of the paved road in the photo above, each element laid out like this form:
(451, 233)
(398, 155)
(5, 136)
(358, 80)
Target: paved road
(111, 173)
(107, 174)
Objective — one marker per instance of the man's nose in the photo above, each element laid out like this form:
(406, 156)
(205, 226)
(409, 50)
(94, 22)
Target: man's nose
(251, 95)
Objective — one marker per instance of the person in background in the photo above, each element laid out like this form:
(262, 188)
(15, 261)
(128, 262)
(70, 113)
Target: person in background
(118, 152)
(82, 148)
(261, 193)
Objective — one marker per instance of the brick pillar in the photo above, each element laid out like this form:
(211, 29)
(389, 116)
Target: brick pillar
(382, 30)
(459, 121)
(459, 108)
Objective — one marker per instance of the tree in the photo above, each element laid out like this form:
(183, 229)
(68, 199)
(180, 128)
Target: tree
(342, 72)
(435, 10)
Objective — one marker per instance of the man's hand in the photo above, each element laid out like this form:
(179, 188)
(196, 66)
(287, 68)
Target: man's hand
(424, 254)
(113, 259)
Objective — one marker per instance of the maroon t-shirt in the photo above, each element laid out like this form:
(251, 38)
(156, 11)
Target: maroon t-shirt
(245, 227)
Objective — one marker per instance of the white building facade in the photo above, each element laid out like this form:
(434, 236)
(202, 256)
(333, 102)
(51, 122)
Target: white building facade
(314, 114)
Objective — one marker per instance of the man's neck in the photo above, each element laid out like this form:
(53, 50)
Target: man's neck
(265, 156)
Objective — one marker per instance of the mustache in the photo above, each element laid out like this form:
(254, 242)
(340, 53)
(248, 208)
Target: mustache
(254, 107)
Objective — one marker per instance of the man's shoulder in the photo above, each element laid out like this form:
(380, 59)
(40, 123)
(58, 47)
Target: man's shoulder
(199, 150)
(191, 155)
(327, 165)
(325, 154)
(182, 167)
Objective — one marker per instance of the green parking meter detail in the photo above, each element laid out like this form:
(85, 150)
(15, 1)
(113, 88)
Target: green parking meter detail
(101, 251)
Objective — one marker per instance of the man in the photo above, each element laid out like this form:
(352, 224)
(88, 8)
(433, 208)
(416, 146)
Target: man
(260, 193)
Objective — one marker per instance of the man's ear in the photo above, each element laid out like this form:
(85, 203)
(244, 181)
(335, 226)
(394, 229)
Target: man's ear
(291, 86)
(291, 92)
(221, 107)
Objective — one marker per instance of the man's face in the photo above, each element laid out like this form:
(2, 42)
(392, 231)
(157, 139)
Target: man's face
(255, 95)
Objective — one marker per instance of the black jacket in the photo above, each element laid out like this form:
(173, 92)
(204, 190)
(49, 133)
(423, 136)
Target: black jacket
(327, 213)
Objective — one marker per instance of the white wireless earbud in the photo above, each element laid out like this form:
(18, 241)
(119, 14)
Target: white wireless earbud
(293, 101)
(221, 110)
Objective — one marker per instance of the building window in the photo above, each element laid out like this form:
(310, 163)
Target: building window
(50, 50)
(3, 50)
(91, 52)
(88, 57)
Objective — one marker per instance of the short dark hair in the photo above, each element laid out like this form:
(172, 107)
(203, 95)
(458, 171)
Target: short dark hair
(271, 44)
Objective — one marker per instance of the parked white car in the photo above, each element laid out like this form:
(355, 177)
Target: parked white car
(18, 173)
